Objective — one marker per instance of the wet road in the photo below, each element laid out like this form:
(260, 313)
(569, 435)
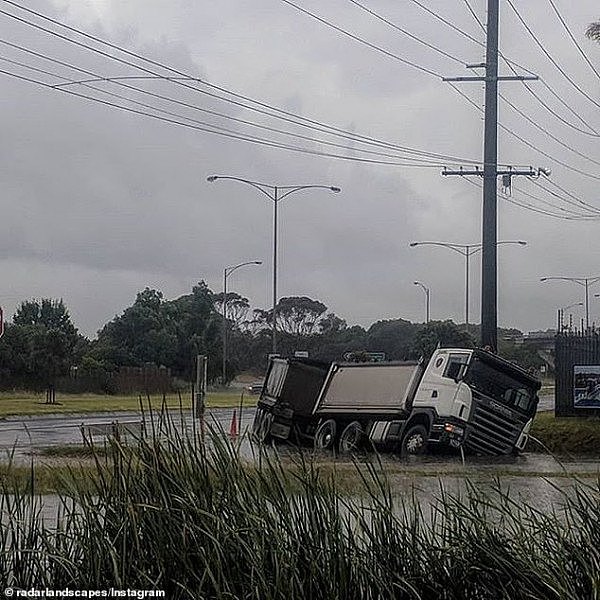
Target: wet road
(25, 435)
(539, 477)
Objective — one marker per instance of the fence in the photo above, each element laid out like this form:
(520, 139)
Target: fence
(577, 357)
(148, 379)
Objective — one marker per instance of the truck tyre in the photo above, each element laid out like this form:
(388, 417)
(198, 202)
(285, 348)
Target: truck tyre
(414, 441)
(351, 438)
(264, 431)
(325, 435)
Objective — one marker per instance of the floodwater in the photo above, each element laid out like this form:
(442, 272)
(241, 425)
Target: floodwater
(540, 478)
(24, 436)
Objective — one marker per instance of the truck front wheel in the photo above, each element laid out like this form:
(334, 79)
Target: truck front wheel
(414, 441)
(325, 435)
(351, 438)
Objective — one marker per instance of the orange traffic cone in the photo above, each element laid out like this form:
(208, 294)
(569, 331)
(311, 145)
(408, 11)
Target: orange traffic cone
(233, 432)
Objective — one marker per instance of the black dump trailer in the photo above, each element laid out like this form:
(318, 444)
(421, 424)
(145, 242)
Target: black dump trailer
(287, 401)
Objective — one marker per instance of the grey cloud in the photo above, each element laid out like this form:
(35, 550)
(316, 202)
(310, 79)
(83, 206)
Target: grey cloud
(101, 203)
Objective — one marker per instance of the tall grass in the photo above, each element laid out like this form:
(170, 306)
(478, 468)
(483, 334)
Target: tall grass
(199, 521)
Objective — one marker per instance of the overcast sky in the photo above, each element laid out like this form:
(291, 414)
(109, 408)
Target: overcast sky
(98, 203)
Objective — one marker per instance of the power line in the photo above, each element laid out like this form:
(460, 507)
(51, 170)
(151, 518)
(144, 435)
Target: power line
(573, 39)
(407, 33)
(546, 132)
(287, 116)
(362, 41)
(421, 161)
(592, 132)
(574, 200)
(589, 212)
(563, 190)
(524, 141)
(214, 129)
(557, 96)
(550, 57)
(474, 15)
(515, 108)
(567, 215)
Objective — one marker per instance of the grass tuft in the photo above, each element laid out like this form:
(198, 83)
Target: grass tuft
(192, 517)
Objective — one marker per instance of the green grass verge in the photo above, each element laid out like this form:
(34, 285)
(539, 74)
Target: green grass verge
(48, 479)
(26, 403)
(571, 435)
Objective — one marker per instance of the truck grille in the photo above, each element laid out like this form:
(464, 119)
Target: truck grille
(491, 432)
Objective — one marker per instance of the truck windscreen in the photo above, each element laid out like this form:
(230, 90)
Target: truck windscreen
(501, 386)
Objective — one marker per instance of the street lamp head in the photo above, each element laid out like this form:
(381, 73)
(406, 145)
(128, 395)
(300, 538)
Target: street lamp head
(413, 244)
(522, 243)
(335, 190)
(257, 262)
(212, 178)
(544, 279)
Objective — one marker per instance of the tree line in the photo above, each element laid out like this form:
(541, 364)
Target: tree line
(42, 345)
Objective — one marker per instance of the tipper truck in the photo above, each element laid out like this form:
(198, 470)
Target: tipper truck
(462, 398)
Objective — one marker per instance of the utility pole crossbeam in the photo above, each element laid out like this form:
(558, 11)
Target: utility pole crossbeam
(531, 172)
(475, 78)
(490, 173)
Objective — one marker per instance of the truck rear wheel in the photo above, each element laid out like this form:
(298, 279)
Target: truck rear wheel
(256, 424)
(351, 438)
(264, 433)
(325, 435)
(414, 441)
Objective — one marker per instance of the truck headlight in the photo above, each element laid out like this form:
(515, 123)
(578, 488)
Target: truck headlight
(456, 430)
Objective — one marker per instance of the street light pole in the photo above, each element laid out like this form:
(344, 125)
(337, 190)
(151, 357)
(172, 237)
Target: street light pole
(585, 282)
(426, 290)
(226, 272)
(465, 250)
(561, 314)
(274, 309)
(275, 194)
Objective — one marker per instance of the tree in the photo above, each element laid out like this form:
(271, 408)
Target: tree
(299, 315)
(446, 334)
(525, 355)
(395, 337)
(593, 31)
(258, 322)
(237, 307)
(198, 327)
(143, 334)
(331, 324)
(41, 344)
(49, 313)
